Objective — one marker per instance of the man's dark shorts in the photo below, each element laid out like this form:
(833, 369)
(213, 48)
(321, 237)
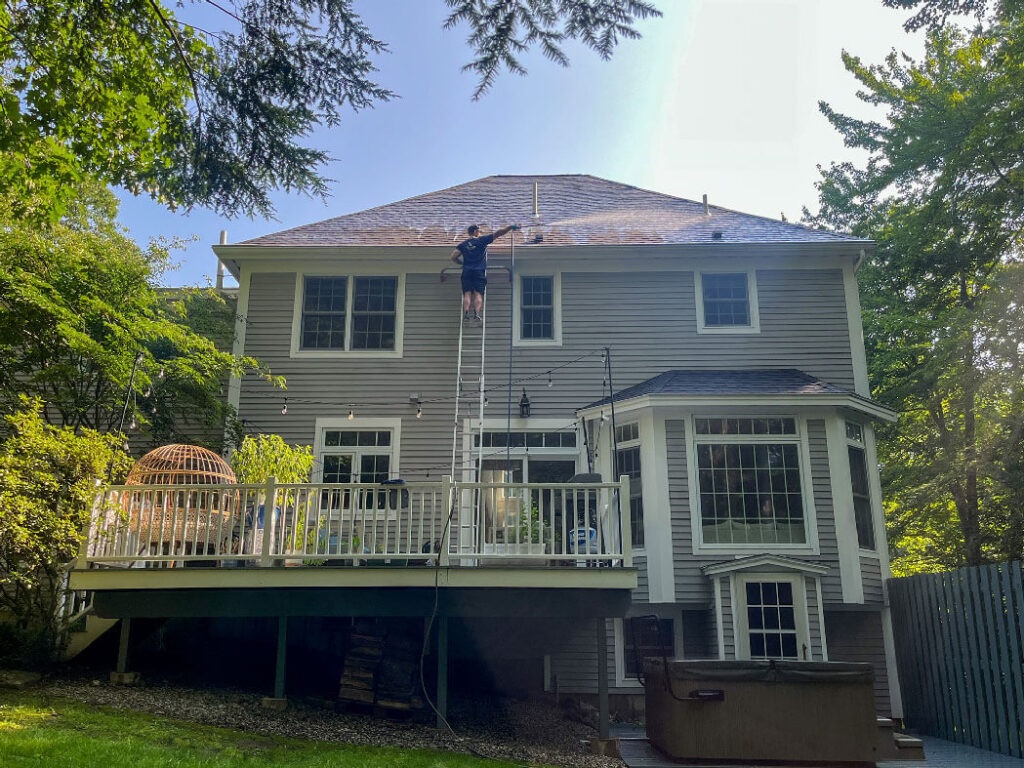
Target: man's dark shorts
(474, 280)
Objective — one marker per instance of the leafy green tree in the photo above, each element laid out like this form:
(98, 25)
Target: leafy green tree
(48, 478)
(941, 193)
(81, 319)
(263, 456)
(132, 93)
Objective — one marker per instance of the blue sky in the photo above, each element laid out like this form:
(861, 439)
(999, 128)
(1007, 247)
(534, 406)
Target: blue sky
(718, 97)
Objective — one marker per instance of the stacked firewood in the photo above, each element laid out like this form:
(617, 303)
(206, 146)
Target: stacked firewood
(382, 665)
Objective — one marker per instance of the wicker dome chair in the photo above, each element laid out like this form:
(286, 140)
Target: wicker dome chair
(179, 521)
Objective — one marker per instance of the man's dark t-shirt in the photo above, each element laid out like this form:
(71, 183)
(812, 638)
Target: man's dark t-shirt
(474, 253)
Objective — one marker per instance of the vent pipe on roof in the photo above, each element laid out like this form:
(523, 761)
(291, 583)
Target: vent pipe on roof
(536, 210)
(220, 264)
(707, 210)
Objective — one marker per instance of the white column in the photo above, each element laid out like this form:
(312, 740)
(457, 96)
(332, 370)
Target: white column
(657, 519)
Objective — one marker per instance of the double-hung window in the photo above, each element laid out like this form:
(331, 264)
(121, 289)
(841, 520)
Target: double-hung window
(347, 313)
(726, 302)
(749, 480)
(772, 625)
(538, 310)
(627, 438)
(861, 490)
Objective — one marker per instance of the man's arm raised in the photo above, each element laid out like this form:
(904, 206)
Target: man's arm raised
(505, 230)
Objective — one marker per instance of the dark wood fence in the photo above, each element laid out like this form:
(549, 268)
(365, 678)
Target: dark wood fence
(960, 650)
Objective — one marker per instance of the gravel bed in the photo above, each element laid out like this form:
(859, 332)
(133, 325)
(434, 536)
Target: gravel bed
(507, 729)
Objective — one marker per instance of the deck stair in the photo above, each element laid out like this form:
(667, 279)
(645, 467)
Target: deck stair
(89, 632)
(893, 745)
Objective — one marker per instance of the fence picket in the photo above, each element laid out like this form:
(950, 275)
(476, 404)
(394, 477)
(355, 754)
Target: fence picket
(941, 704)
(1014, 591)
(993, 616)
(986, 700)
(954, 667)
(932, 658)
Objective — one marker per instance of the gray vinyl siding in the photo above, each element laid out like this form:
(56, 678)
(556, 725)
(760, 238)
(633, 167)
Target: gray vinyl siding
(813, 622)
(692, 586)
(642, 593)
(574, 668)
(647, 318)
(871, 573)
(857, 636)
(728, 626)
(831, 586)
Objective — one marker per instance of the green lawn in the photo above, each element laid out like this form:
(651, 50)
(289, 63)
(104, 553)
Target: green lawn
(51, 732)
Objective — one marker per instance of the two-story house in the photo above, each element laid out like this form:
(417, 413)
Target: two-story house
(714, 358)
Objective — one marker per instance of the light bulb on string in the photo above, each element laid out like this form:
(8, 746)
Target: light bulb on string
(284, 408)
(603, 416)
(133, 424)
(551, 382)
(147, 393)
(161, 374)
(351, 415)
(419, 411)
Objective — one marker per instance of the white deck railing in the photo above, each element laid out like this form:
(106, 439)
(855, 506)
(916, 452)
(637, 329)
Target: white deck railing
(429, 523)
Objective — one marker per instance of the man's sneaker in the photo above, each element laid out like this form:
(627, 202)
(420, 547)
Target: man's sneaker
(476, 317)
(467, 316)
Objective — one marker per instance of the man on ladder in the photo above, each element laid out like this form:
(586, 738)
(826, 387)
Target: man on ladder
(471, 255)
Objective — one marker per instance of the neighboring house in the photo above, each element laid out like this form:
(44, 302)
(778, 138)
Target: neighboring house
(741, 403)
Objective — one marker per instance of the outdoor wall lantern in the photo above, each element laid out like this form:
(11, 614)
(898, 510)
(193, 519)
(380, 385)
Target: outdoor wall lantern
(524, 406)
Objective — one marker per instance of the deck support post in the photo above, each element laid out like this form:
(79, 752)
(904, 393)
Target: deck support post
(601, 638)
(121, 675)
(278, 701)
(442, 672)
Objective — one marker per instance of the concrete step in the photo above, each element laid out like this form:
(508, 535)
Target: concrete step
(893, 745)
(908, 747)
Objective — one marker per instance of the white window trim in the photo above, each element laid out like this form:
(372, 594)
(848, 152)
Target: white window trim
(752, 304)
(532, 424)
(741, 639)
(556, 320)
(619, 644)
(300, 281)
(806, 487)
(862, 445)
(358, 423)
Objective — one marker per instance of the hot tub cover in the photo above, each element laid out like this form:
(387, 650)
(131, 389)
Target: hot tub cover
(766, 671)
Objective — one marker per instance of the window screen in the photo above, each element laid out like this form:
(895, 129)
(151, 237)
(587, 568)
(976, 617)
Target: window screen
(537, 314)
(726, 302)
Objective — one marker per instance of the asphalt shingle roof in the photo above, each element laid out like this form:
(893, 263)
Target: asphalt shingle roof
(573, 210)
(776, 381)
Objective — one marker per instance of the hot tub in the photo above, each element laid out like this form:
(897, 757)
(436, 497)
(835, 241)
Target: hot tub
(770, 711)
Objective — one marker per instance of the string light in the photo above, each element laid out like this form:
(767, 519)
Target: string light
(147, 393)
(351, 414)
(284, 408)
(419, 411)
(133, 424)
(551, 382)
(161, 374)
(440, 399)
